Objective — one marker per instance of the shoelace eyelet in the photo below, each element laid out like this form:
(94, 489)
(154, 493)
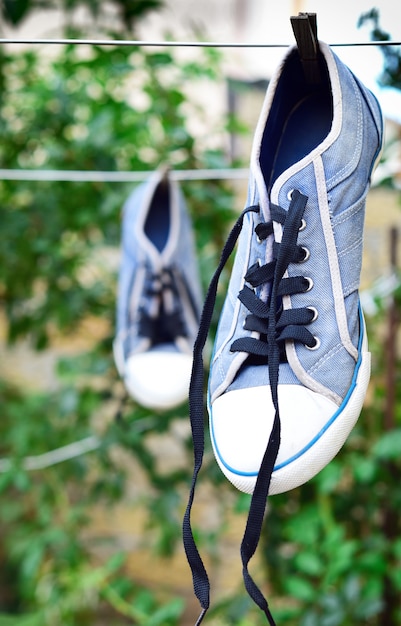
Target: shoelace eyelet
(310, 284)
(316, 346)
(307, 254)
(303, 225)
(289, 194)
(315, 313)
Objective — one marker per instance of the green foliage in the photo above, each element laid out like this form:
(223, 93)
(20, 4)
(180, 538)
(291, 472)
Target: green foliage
(55, 576)
(129, 11)
(91, 109)
(391, 74)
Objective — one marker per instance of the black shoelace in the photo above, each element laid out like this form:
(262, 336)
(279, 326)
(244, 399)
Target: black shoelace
(275, 326)
(166, 322)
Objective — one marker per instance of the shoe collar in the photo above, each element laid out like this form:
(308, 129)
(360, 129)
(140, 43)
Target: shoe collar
(159, 259)
(262, 191)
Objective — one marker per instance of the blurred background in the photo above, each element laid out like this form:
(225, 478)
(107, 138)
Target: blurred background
(92, 491)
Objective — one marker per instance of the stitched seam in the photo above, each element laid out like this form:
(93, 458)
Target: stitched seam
(346, 170)
(325, 358)
(351, 247)
(351, 288)
(349, 213)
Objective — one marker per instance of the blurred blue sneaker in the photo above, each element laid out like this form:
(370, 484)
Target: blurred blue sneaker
(291, 363)
(159, 295)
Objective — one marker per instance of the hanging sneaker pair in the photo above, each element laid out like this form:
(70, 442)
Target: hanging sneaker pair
(159, 295)
(290, 366)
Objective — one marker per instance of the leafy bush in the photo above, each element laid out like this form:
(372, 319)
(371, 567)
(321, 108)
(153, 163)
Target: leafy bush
(79, 108)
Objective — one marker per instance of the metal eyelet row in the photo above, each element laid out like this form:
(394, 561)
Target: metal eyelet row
(315, 312)
(310, 281)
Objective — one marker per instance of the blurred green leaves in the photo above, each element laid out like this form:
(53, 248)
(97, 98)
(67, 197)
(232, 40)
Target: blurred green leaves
(128, 11)
(88, 108)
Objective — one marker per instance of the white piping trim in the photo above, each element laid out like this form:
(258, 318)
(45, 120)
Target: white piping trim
(338, 295)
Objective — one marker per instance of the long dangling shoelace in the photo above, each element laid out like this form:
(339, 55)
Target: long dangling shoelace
(275, 326)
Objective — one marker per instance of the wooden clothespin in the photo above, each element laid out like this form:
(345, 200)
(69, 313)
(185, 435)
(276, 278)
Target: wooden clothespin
(304, 26)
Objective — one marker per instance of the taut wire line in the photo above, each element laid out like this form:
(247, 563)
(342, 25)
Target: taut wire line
(65, 453)
(172, 44)
(120, 177)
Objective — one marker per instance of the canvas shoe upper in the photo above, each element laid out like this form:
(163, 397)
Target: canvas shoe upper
(159, 295)
(291, 362)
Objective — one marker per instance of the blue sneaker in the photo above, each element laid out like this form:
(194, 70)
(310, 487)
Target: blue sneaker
(291, 338)
(290, 365)
(159, 295)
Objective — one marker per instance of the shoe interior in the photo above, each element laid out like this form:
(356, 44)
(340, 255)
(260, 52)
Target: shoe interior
(157, 224)
(300, 118)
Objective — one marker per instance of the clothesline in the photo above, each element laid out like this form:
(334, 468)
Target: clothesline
(47, 459)
(120, 177)
(190, 44)
(69, 451)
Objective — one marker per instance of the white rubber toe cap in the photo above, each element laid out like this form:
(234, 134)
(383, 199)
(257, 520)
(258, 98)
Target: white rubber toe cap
(158, 380)
(313, 429)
